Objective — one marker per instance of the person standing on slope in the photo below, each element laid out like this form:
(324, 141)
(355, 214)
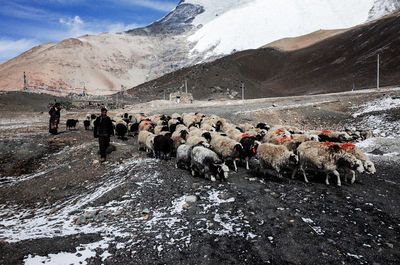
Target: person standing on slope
(103, 129)
(54, 118)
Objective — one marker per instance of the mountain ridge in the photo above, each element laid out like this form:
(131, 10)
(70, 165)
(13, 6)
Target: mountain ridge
(108, 63)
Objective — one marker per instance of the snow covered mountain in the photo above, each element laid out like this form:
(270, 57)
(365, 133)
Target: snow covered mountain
(195, 31)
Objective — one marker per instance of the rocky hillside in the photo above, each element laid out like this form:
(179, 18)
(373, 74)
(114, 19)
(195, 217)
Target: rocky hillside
(196, 31)
(330, 65)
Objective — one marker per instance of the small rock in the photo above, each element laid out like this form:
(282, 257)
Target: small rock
(95, 162)
(81, 220)
(389, 245)
(191, 198)
(186, 206)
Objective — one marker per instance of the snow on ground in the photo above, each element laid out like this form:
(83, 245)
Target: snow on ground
(378, 105)
(167, 222)
(262, 21)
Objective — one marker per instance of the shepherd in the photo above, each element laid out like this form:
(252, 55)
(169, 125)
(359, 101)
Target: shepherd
(54, 118)
(103, 129)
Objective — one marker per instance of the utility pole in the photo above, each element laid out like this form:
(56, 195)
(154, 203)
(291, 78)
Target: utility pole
(186, 86)
(377, 74)
(242, 87)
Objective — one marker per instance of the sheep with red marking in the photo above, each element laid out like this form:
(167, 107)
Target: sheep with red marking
(228, 149)
(325, 157)
(333, 136)
(250, 146)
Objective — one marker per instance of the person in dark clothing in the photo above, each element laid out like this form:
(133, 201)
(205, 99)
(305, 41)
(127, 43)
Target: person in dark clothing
(54, 118)
(103, 129)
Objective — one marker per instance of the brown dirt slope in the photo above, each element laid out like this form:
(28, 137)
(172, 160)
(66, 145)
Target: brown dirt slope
(296, 43)
(332, 65)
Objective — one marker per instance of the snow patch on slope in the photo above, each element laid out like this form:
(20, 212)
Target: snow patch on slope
(259, 22)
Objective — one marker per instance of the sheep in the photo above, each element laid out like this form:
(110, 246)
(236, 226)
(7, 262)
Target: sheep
(326, 157)
(146, 125)
(205, 162)
(263, 126)
(197, 140)
(121, 128)
(163, 144)
(246, 127)
(150, 144)
(183, 156)
(228, 149)
(133, 127)
(276, 157)
(333, 136)
(160, 128)
(175, 116)
(142, 137)
(71, 123)
(207, 127)
(234, 134)
(369, 167)
(258, 133)
(250, 146)
(294, 140)
(86, 123)
(188, 119)
(179, 138)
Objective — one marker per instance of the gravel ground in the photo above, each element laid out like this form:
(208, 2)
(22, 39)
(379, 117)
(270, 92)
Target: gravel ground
(58, 204)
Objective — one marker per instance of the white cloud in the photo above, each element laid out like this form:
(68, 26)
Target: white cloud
(155, 5)
(120, 27)
(76, 27)
(10, 48)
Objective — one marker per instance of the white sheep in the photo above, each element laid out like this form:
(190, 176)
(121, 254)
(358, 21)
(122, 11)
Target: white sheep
(228, 149)
(196, 140)
(326, 157)
(276, 157)
(142, 137)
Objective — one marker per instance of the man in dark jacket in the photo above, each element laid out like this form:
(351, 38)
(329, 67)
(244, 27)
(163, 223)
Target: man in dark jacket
(54, 118)
(103, 129)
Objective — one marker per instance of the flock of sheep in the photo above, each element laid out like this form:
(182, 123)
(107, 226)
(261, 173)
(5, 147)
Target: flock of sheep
(205, 145)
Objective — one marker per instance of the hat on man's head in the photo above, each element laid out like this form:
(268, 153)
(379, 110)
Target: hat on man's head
(103, 109)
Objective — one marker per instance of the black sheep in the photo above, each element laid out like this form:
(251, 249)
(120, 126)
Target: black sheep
(250, 146)
(86, 123)
(71, 123)
(121, 130)
(263, 126)
(163, 144)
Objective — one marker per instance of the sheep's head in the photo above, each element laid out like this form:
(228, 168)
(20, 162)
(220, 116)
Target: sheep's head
(207, 136)
(369, 167)
(358, 165)
(343, 136)
(223, 171)
(238, 149)
(184, 133)
(313, 137)
(293, 158)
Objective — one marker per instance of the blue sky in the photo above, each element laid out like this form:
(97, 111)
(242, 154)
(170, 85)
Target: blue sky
(27, 23)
